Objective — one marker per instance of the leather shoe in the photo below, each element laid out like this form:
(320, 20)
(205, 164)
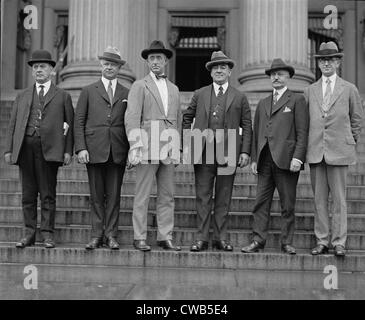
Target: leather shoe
(93, 244)
(287, 248)
(141, 245)
(199, 245)
(253, 247)
(168, 245)
(49, 243)
(222, 245)
(340, 251)
(319, 249)
(25, 242)
(112, 243)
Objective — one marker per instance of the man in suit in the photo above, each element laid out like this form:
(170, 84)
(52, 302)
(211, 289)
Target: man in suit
(154, 114)
(39, 140)
(220, 111)
(336, 115)
(278, 153)
(101, 143)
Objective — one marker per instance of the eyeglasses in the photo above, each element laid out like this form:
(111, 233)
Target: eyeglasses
(329, 60)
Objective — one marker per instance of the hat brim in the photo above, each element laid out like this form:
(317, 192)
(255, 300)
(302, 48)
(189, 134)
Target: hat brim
(120, 61)
(332, 55)
(287, 68)
(51, 62)
(168, 53)
(210, 64)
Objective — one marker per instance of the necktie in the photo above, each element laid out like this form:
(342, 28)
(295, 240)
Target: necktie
(220, 91)
(160, 76)
(275, 97)
(41, 95)
(327, 96)
(110, 92)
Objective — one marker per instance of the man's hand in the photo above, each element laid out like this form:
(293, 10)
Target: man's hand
(135, 156)
(243, 160)
(83, 156)
(66, 159)
(295, 165)
(254, 168)
(7, 158)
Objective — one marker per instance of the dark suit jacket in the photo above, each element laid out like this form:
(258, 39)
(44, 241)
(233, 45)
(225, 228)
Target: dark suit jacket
(99, 126)
(286, 129)
(238, 115)
(57, 110)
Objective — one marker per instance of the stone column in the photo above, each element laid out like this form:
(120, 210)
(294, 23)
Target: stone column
(273, 29)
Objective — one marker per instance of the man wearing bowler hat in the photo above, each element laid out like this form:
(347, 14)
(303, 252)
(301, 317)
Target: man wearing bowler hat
(220, 110)
(39, 140)
(336, 116)
(279, 146)
(153, 114)
(101, 144)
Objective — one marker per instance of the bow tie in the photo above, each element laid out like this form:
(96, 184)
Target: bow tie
(160, 76)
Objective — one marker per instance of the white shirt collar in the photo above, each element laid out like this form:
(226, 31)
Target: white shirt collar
(106, 83)
(154, 77)
(332, 78)
(280, 92)
(216, 87)
(46, 85)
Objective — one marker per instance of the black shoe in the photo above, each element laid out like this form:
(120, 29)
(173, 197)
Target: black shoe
(112, 243)
(222, 245)
(199, 245)
(319, 249)
(93, 244)
(141, 245)
(340, 251)
(253, 247)
(287, 248)
(49, 243)
(168, 245)
(25, 242)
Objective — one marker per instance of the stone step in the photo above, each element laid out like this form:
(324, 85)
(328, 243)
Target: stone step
(181, 189)
(184, 236)
(182, 219)
(181, 203)
(183, 173)
(128, 257)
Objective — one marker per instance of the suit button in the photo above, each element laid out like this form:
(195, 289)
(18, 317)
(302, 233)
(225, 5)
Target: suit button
(325, 127)
(108, 115)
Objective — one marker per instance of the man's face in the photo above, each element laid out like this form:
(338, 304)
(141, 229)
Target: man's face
(279, 79)
(156, 62)
(41, 72)
(328, 65)
(109, 69)
(220, 73)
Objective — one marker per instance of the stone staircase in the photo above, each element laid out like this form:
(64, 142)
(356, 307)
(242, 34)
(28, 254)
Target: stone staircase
(73, 223)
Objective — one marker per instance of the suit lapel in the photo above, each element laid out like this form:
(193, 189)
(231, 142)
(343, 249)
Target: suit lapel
(283, 99)
(318, 92)
(337, 90)
(206, 98)
(50, 95)
(230, 97)
(170, 98)
(28, 98)
(267, 105)
(118, 93)
(151, 85)
(101, 90)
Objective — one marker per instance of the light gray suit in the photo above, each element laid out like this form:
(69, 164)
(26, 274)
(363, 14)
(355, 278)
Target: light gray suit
(331, 149)
(145, 111)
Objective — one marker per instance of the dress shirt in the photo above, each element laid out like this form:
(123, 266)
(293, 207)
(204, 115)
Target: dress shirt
(216, 87)
(280, 92)
(324, 83)
(46, 85)
(106, 84)
(162, 89)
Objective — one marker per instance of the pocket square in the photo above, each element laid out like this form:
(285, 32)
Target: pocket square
(124, 100)
(287, 109)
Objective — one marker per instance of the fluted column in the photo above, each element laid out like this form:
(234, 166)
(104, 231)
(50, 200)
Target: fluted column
(95, 24)
(273, 29)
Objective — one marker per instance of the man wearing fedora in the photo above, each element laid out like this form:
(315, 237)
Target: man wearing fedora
(217, 109)
(39, 140)
(336, 115)
(280, 134)
(101, 144)
(154, 106)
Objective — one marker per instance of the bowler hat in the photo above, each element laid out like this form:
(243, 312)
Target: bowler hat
(112, 54)
(218, 57)
(41, 56)
(278, 64)
(156, 46)
(328, 49)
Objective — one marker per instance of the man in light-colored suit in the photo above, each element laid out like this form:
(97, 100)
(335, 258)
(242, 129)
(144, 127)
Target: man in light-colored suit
(336, 114)
(153, 115)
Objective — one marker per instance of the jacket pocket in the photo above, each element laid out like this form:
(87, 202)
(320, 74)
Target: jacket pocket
(89, 132)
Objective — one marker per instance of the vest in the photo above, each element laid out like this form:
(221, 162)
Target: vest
(217, 111)
(35, 116)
